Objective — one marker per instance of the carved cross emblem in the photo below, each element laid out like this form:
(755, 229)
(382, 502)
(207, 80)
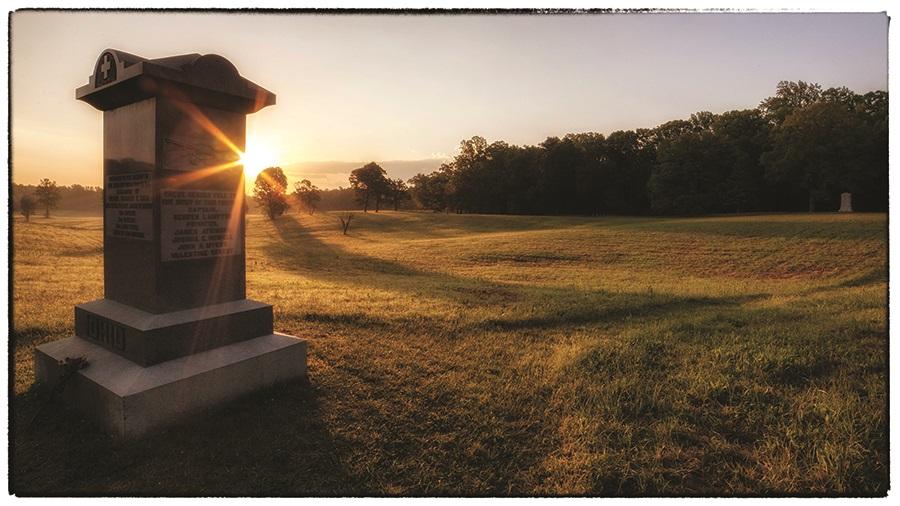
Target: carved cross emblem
(105, 72)
(107, 64)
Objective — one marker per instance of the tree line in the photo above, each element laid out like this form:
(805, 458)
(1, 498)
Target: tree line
(369, 188)
(270, 193)
(798, 150)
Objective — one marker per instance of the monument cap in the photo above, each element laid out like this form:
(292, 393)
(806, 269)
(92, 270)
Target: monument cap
(122, 78)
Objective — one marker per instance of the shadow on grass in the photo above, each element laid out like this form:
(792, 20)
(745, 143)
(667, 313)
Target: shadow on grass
(441, 225)
(878, 275)
(300, 250)
(524, 307)
(870, 277)
(803, 227)
(272, 442)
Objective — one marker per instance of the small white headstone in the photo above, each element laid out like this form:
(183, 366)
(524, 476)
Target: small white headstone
(846, 206)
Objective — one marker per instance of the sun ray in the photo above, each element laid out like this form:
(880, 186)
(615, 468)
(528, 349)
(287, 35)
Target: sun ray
(198, 174)
(233, 227)
(186, 106)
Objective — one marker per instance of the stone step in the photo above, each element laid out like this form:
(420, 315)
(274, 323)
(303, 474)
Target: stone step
(129, 400)
(148, 338)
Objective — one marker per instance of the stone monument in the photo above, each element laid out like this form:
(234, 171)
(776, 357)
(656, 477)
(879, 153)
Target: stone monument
(174, 332)
(846, 203)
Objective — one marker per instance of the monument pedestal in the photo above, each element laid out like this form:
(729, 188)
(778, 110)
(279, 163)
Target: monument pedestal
(130, 400)
(174, 333)
(150, 338)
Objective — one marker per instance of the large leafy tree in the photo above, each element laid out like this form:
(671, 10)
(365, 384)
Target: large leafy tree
(368, 182)
(270, 192)
(47, 195)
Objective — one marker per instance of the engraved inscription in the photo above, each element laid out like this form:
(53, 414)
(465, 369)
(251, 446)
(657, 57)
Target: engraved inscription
(195, 152)
(129, 206)
(198, 224)
(106, 332)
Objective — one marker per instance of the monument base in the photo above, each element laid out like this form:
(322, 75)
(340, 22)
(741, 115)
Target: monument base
(150, 338)
(130, 400)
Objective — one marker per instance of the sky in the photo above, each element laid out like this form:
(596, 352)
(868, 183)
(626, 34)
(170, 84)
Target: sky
(404, 90)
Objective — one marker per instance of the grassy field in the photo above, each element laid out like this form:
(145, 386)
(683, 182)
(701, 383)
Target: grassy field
(498, 355)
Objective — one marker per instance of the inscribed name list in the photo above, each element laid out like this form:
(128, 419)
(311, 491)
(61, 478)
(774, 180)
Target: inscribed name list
(128, 206)
(197, 224)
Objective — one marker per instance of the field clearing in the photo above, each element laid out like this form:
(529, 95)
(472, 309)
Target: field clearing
(507, 355)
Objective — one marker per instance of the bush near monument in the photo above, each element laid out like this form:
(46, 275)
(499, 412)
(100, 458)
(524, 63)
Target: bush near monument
(533, 355)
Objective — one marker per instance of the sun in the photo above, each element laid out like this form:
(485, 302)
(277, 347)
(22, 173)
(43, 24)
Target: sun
(257, 157)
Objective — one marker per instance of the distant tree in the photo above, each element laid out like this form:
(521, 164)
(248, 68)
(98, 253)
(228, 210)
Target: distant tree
(843, 96)
(789, 97)
(522, 174)
(872, 185)
(629, 157)
(398, 192)
(561, 162)
(671, 130)
(821, 149)
(429, 191)
(590, 179)
(745, 137)
(270, 192)
(469, 176)
(702, 120)
(369, 181)
(47, 195)
(874, 105)
(689, 174)
(27, 206)
(308, 195)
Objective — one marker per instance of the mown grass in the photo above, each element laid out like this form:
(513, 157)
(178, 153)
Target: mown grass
(499, 355)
